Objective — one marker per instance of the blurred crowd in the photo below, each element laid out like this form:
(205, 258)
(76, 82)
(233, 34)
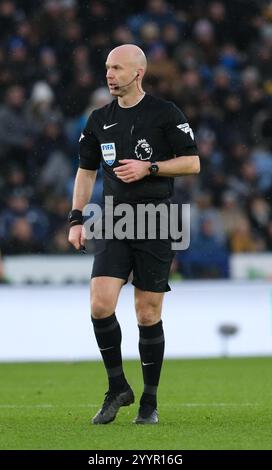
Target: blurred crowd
(212, 58)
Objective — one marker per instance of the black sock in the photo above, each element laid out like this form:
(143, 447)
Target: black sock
(108, 336)
(151, 348)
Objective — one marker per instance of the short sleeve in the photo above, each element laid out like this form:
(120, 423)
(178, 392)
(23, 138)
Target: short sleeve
(179, 133)
(89, 148)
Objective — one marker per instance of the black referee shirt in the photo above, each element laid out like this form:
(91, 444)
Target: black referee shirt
(152, 130)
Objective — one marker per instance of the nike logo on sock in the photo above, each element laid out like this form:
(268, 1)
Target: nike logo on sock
(107, 127)
(148, 363)
(105, 349)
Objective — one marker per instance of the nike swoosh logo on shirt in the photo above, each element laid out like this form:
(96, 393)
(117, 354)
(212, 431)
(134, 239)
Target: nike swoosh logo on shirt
(148, 363)
(107, 127)
(105, 349)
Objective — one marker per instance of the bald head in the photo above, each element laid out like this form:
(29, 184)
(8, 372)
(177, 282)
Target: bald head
(129, 54)
(126, 66)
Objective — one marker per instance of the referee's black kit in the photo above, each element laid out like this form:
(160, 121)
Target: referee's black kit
(153, 130)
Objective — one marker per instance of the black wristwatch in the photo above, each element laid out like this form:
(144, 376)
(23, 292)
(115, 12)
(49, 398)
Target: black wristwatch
(153, 169)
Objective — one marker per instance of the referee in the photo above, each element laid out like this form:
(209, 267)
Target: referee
(143, 142)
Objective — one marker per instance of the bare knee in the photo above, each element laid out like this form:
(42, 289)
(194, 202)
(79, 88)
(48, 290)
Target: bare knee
(101, 307)
(148, 312)
(104, 296)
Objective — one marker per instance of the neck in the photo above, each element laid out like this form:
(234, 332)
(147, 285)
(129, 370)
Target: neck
(131, 99)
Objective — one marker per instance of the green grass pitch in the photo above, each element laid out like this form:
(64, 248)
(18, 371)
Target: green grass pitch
(203, 404)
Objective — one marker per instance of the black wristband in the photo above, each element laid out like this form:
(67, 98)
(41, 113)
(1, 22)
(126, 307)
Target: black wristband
(75, 217)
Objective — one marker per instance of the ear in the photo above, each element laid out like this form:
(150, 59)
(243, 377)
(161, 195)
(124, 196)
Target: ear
(140, 72)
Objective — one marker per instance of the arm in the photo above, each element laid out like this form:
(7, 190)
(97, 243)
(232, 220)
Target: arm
(134, 170)
(189, 165)
(83, 189)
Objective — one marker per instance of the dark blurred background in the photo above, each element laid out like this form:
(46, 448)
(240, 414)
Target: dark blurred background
(212, 58)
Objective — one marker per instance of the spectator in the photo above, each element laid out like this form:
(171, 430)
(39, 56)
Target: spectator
(32, 221)
(16, 129)
(241, 239)
(206, 257)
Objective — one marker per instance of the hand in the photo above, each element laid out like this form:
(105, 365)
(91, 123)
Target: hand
(132, 170)
(77, 236)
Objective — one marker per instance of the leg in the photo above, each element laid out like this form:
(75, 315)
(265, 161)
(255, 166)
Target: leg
(151, 347)
(151, 265)
(104, 295)
(148, 306)
(112, 265)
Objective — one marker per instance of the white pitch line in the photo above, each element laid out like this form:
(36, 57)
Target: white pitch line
(180, 405)
(46, 406)
(92, 405)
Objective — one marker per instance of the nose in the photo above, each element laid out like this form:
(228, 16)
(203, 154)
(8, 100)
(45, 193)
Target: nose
(109, 74)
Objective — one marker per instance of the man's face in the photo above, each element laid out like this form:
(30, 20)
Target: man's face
(120, 71)
(16, 97)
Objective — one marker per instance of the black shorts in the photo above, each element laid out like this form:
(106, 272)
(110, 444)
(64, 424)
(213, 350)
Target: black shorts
(150, 261)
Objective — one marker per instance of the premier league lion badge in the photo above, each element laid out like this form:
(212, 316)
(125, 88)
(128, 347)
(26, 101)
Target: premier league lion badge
(143, 150)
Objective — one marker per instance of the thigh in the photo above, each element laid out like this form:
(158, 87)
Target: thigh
(113, 258)
(151, 264)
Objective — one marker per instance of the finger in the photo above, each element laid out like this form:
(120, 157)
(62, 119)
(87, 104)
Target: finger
(82, 240)
(131, 180)
(73, 242)
(125, 160)
(83, 236)
(125, 177)
(76, 244)
(123, 173)
(121, 168)
(128, 179)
